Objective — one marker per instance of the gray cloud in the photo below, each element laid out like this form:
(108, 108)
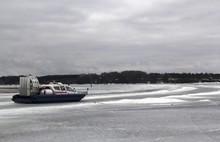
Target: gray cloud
(72, 36)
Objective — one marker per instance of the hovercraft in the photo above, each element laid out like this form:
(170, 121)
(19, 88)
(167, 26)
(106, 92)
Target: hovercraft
(31, 91)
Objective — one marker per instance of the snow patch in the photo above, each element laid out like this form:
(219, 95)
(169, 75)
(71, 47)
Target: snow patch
(145, 101)
(205, 100)
(206, 93)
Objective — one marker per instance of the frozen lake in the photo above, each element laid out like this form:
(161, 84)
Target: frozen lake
(121, 113)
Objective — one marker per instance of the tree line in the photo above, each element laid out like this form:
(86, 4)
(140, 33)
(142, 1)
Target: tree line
(121, 77)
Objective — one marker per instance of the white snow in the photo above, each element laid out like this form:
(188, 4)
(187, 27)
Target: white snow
(118, 112)
(144, 101)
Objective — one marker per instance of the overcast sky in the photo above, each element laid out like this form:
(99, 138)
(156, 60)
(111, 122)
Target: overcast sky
(44, 37)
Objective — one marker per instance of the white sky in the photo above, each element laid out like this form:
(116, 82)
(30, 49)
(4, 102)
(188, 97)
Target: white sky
(93, 36)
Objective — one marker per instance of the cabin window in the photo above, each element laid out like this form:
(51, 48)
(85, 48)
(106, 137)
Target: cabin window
(56, 87)
(62, 88)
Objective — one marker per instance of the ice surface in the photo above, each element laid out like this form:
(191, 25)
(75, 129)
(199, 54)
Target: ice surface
(127, 113)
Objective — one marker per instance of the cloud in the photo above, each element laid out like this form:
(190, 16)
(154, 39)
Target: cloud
(71, 36)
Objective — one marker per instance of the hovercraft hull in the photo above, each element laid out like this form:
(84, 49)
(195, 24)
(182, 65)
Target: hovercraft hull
(48, 98)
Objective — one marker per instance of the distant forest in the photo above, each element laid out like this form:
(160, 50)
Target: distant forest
(121, 77)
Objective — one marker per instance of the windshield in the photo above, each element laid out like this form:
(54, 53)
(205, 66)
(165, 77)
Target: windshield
(69, 88)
